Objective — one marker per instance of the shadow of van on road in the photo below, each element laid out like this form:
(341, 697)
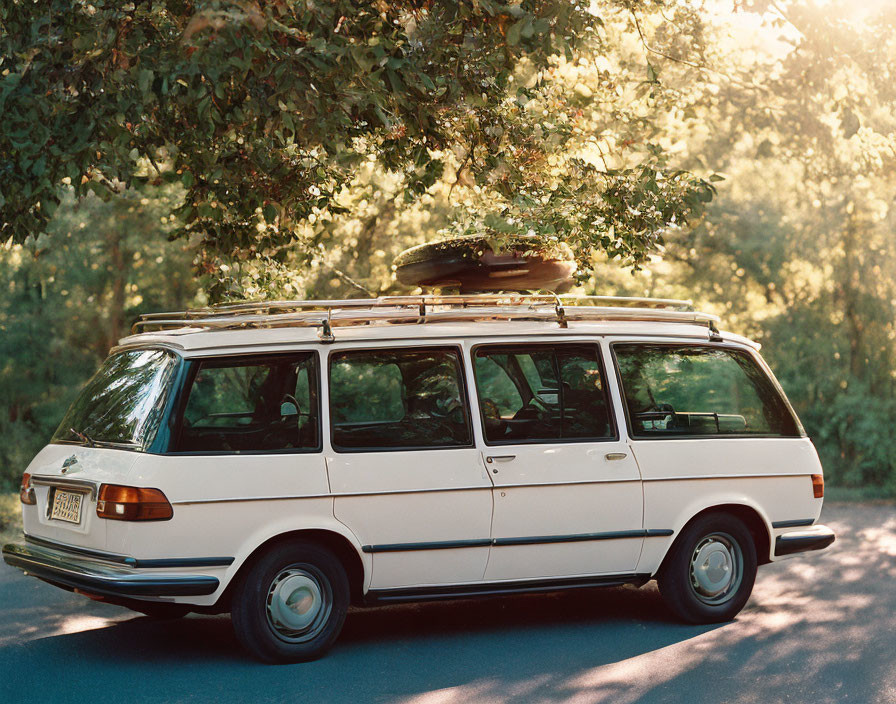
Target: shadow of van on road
(384, 654)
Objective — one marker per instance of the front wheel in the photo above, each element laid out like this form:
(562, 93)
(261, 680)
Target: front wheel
(709, 572)
(291, 604)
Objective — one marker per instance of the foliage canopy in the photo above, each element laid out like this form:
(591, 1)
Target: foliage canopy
(264, 111)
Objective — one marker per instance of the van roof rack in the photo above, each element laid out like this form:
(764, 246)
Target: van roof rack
(328, 314)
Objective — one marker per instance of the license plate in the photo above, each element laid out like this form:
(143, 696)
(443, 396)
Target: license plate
(66, 506)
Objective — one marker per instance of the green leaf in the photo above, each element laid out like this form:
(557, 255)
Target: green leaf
(48, 206)
(144, 79)
(513, 34)
(202, 107)
(541, 25)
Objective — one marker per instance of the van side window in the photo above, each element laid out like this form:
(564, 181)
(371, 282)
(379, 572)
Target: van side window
(264, 404)
(541, 393)
(691, 390)
(395, 399)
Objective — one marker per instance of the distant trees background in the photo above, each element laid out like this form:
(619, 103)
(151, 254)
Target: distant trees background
(154, 155)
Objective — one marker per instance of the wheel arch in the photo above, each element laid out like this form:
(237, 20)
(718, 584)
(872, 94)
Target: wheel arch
(749, 515)
(337, 543)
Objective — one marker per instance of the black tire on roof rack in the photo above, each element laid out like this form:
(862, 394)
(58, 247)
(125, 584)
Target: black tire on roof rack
(472, 264)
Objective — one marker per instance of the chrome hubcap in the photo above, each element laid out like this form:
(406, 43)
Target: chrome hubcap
(716, 568)
(299, 603)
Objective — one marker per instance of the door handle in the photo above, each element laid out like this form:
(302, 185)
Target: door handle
(499, 458)
(615, 456)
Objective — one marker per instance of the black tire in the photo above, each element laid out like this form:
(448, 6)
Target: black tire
(708, 575)
(289, 606)
(161, 611)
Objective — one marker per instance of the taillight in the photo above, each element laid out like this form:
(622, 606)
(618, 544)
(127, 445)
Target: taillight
(818, 485)
(26, 491)
(131, 503)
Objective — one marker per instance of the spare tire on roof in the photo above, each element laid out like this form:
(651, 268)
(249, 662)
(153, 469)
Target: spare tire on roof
(472, 265)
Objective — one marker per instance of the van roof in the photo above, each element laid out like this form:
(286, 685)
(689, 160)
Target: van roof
(276, 324)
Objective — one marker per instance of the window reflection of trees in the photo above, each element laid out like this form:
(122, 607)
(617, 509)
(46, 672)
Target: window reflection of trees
(124, 401)
(400, 398)
(699, 390)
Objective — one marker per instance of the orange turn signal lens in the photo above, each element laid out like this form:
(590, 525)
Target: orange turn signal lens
(26, 491)
(818, 485)
(131, 503)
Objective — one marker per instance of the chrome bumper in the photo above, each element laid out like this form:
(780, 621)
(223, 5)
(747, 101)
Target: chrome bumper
(814, 538)
(98, 577)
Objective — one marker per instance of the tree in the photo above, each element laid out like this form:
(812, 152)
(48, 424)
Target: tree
(264, 111)
(68, 297)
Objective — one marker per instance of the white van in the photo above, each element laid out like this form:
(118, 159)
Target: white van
(282, 461)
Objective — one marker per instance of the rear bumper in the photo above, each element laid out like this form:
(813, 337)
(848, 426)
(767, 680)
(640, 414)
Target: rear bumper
(814, 538)
(98, 577)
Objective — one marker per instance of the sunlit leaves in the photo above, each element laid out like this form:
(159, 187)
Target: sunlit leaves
(264, 112)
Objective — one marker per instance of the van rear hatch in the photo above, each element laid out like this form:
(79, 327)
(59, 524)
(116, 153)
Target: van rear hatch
(116, 417)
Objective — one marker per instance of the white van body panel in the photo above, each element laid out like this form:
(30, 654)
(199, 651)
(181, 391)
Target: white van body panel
(414, 499)
(92, 467)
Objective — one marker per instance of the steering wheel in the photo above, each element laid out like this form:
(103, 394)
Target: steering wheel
(292, 399)
(279, 430)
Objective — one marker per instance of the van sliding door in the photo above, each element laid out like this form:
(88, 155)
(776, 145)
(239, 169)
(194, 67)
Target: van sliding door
(406, 476)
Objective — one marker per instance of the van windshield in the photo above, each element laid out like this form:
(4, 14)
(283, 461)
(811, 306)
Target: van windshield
(123, 403)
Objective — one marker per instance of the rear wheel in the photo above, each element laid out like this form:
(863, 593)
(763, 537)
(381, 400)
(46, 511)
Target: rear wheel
(709, 573)
(291, 604)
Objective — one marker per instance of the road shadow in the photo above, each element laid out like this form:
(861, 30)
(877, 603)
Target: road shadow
(385, 653)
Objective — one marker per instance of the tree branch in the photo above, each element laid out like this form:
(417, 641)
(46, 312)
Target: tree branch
(663, 54)
(460, 169)
(349, 280)
(699, 67)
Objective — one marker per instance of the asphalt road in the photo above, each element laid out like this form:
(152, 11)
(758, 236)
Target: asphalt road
(819, 628)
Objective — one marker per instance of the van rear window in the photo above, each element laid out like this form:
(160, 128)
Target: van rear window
(256, 404)
(691, 390)
(123, 403)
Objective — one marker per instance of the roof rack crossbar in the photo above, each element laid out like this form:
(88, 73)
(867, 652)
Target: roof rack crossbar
(274, 307)
(328, 314)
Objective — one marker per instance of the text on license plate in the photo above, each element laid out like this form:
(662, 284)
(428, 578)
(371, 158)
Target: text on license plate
(67, 506)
